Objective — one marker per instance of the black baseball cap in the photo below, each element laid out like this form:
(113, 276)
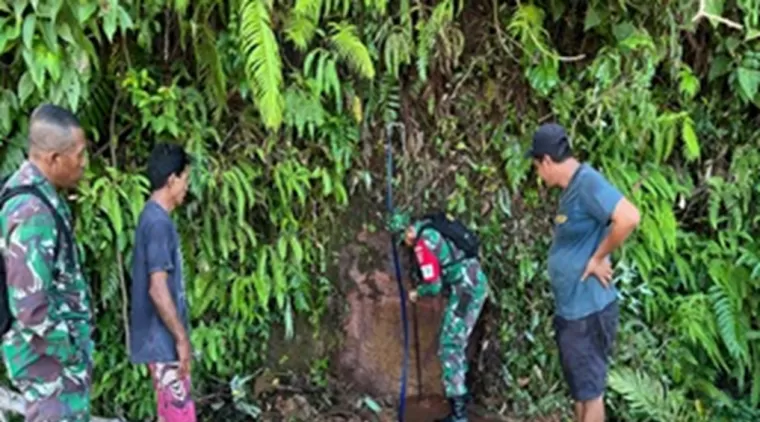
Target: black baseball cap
(550, 139)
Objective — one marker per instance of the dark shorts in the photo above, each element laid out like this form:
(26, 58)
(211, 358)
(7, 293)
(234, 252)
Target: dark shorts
(585, 346)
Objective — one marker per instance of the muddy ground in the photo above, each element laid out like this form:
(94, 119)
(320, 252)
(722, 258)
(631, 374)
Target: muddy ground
(293, 399)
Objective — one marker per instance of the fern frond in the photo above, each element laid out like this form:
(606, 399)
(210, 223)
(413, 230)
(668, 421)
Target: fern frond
(694, 320)
(729, 324)
(263, 62)
(755, 389)
(300, 30)
(111, 284)
(321, 69)
(302, 22)
(648, 397)
(310, 8)
(209, 67)
(96, 110)
(397, 50)
(341, 6)
(348, 46)
(428, 33)
(727, 304)
(304, 111)
(381, 6)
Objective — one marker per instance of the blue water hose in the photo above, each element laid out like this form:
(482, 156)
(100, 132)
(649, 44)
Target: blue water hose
(397, 265)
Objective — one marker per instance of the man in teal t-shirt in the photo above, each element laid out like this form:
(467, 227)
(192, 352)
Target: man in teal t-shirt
(593, 219)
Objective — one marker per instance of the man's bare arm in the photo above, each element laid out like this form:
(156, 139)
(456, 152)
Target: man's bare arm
(625, 219)
(159, 294)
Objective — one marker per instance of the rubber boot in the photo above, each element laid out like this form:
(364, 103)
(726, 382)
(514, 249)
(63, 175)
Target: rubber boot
(458, 410)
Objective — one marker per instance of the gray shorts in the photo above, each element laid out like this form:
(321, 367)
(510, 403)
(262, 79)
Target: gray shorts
(585, 346)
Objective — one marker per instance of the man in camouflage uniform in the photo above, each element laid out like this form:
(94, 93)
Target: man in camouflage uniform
(48, 348)
(441, 266)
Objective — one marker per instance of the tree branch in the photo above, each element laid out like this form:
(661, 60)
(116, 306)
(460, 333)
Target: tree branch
(702, 13)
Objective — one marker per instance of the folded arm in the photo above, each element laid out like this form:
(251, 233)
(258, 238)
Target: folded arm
(608, 205)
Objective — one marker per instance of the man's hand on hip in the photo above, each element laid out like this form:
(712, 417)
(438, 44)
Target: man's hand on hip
(601, 268)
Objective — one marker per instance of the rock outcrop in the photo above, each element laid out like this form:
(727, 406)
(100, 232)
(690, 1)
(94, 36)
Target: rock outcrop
(371, 355)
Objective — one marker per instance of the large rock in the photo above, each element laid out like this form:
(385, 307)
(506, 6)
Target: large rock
(371, 355)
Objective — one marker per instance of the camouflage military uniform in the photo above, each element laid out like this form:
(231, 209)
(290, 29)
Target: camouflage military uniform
(48, 350)
(441, 266)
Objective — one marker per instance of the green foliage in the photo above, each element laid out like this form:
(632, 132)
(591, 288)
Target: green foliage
(284, 103)
(263, 65)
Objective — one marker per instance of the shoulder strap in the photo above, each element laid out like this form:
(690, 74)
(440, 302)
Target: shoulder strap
(33, 190)
(431, 224)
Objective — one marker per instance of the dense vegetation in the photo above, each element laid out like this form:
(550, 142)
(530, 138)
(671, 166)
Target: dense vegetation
(286, 102)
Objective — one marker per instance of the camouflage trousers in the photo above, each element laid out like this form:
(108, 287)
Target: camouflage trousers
(55, 393)
(462, 311)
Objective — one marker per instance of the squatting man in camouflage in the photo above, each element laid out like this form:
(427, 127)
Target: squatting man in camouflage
(443, 265)
(48, 348)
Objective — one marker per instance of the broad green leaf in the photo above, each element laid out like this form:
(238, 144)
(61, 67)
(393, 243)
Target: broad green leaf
(64, 31)
(6, 106)
(691, 143)
(73, 89)
(181, 6)
(50, 36)
(84, 11)
(49, 9)
(109, 23)
(30, 23)
(592, 19)
(714, 7)
(125, 21)
(53, 65)
(719, 66)
(35, 61)
(18, 8)
(282, 247)
(25, 87)
(749, 81)
(295, 245)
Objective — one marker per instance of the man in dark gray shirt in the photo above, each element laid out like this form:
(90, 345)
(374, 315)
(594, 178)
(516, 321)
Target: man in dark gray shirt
(159, 326)
(593, 219)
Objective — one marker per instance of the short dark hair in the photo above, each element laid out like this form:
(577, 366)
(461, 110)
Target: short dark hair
(166, 160)
(50, 125)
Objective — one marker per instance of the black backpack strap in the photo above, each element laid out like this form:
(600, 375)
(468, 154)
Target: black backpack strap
(431, 224)
(34, 190)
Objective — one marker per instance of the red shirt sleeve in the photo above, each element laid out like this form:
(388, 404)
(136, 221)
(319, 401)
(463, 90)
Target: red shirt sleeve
(428, 262)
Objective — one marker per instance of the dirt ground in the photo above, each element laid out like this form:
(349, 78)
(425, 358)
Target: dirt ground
(297, 408)
(298, 402)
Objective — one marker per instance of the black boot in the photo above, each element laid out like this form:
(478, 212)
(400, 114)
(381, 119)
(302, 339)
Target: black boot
(458, 410)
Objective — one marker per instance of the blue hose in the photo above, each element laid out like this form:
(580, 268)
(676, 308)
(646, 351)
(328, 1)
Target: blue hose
(397, 265)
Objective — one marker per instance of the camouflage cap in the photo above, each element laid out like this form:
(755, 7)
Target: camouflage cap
(398, 222)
